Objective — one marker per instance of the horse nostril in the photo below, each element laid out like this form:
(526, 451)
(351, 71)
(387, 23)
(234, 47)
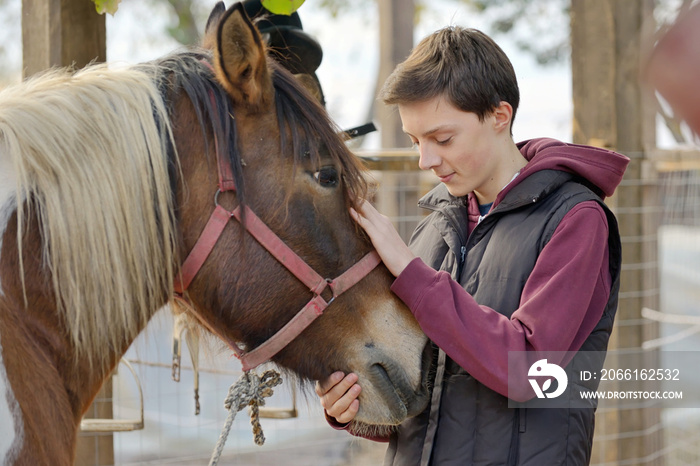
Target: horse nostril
(369, 345)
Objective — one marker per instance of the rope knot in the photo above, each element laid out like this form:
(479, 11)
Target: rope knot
(250, 390)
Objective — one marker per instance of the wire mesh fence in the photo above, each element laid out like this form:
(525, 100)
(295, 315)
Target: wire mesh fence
(679, 277)
(645, 433)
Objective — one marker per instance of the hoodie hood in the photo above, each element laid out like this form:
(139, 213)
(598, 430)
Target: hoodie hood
(601, 168)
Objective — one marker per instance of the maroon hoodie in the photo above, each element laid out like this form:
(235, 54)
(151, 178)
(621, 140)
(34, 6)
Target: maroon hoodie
(571, 273)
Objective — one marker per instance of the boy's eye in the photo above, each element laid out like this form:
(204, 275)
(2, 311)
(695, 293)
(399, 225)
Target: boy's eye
(444, 141)
(327, 177)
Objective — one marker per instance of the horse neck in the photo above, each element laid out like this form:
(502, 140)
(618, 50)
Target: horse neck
(33, 327)
(53, 350)
(48, 385)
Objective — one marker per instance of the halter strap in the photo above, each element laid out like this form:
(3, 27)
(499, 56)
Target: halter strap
(280, 251)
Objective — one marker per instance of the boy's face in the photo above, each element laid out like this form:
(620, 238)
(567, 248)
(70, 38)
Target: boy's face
(455, 145)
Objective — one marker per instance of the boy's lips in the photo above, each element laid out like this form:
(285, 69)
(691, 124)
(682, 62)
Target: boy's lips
(445, 178)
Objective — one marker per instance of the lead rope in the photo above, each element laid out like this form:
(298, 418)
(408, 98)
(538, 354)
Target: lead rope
(250, 390)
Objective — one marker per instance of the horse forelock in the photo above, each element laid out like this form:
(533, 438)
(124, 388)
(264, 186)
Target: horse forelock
(89, 151)
(312, 130)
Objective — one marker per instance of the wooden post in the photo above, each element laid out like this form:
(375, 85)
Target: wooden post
(396, 197)
(97, 448)
(57, 33)
(61, 33)
(395, 44)
(612, 109)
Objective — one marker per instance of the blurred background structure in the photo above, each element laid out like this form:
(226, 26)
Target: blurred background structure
(578, 63)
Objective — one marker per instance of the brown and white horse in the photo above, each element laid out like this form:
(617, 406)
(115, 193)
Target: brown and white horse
(107, 179)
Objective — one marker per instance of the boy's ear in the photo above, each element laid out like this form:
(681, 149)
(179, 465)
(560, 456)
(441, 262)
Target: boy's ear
(503, 115)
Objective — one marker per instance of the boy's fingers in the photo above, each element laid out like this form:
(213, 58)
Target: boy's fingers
(356, 216)
(338, 397)
(345, 408)
(322, 386)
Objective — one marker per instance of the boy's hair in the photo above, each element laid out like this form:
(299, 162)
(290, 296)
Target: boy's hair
(463, 64)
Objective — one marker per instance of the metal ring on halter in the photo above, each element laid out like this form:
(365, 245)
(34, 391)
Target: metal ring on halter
(216, 198)
(329, 282)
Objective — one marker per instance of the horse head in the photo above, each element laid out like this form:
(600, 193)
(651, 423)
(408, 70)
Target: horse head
(290, 167)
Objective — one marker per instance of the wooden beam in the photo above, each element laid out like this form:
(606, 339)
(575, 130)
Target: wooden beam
(671, 160)
(390, 159)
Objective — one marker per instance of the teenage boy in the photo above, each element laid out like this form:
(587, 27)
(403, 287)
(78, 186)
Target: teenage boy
(519, 253)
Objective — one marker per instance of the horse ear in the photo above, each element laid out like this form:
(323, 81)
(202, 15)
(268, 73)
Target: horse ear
(240, 59)
(212, 23)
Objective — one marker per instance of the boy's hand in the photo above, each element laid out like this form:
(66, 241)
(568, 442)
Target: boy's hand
(338, 395)
(386, 240)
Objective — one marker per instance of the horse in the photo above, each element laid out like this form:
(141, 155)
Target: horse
(109, 179)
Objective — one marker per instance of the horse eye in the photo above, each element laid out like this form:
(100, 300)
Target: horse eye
(327, 177)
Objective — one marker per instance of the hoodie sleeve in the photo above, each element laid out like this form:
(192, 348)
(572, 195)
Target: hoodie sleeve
(561, 302)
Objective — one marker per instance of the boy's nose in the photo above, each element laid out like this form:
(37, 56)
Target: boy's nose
(428, 159)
